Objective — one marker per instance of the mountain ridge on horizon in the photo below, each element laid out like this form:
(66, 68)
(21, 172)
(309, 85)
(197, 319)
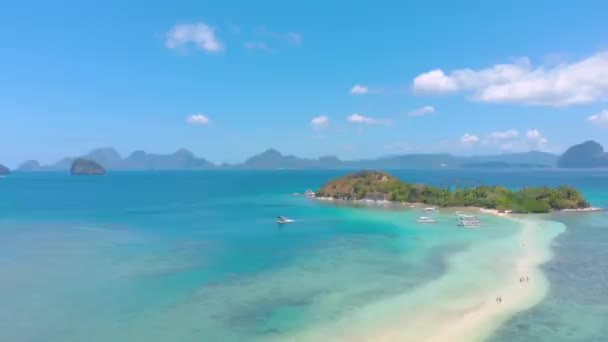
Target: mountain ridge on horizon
(184, 159)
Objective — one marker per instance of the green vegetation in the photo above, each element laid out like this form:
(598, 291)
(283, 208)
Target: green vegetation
(375, 184)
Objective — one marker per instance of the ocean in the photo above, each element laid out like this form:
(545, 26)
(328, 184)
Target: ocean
(198, 256)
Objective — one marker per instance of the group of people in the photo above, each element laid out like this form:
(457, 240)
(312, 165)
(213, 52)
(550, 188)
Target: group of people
(521, 280)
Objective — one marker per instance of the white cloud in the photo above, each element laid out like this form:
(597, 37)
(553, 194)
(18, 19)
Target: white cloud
(257, 45)
(435, 81)
(199, 34)
(536, 137)
(469, 139)
(600, 120)
(320, 122)
(197, 119)
(506, 135)
(584, 81)
(360, 119)
(422, 111)
(358, 89)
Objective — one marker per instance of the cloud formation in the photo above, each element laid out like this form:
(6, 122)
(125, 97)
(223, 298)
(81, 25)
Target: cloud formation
(422, 111)
(469, 139)
(361, 119)
(200, 35)
(584, 81)
(358, 89)
(320, 122)
(508, 140)
(197, 119)
(536, 137)
(600, 119)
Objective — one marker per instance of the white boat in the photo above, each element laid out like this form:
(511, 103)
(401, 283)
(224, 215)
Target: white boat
(283, 220)
(425, 219)
(469, 223)
(430, 209)
(310, 193)
(412, 206)
(465, 216)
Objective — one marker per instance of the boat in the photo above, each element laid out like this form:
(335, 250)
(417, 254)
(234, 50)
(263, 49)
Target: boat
(465, 216)
(430, 209)
(283, 220)
(426, 219)
(310, 193)
(469, 223)
(412, 206)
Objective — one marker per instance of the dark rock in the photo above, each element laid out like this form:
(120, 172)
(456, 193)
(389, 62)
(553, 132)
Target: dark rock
(29, 166)
(4, 170)
(82, 166)
(589, 154)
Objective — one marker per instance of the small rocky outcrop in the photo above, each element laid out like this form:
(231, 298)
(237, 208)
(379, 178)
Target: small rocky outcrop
(4, 170)
(83, 166)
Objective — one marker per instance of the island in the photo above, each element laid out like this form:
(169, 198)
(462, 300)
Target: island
(381, 186)
(82, 166)
(589, 154)
(4, 170)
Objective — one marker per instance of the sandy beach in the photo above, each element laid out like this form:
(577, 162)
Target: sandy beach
(462, 304)
(477, 324)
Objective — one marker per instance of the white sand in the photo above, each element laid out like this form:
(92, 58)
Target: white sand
(460, 305)
(478, 323)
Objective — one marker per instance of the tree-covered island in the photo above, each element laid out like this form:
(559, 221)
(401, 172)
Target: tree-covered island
(380, 185)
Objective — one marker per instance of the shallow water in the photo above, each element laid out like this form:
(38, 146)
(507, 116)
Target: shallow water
(195, 256)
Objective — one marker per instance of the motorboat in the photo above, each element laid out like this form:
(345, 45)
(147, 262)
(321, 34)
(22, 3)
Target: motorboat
(469, 223)
(283, 220)
(310, 193)
(426, 219)
(430, 209)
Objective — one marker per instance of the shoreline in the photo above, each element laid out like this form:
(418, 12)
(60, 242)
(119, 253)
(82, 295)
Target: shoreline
(484, 320)
(462, 304)
(490, 211)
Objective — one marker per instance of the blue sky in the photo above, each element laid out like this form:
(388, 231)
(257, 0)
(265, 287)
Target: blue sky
(228, 79)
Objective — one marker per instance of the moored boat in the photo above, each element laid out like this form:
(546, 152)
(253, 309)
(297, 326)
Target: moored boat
(469, 223)
(426, 219)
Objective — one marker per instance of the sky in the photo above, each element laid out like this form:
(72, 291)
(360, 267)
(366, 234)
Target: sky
(228, 79)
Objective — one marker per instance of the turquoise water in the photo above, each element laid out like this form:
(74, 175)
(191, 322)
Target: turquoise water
(197, 256)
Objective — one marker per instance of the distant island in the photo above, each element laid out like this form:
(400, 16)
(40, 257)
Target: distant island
(381, 186)
(502, 165)
(82, 166)
(4, 170)
(272, 159)
(587, 155)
